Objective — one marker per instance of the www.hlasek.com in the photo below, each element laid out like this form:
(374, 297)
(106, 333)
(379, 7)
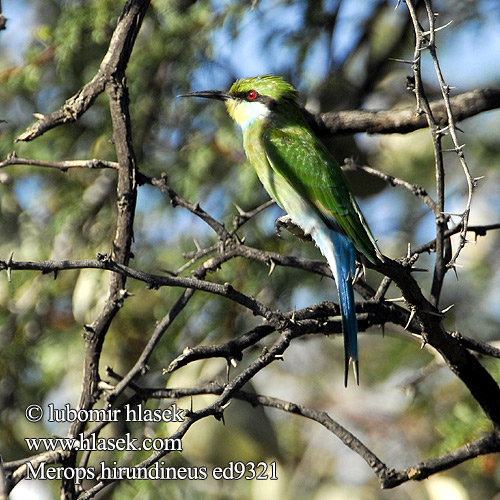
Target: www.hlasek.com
(93, 443)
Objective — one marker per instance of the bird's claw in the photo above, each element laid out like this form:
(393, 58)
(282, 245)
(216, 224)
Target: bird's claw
(285, 221)
(280, 223)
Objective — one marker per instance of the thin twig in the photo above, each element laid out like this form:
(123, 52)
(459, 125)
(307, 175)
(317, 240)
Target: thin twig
(452, 130)
(160, 329)
(194, 208)
(418, 191)
(244, 217)
(477, 346)
(13, 159)
(481, 230)
(425, 41)
(214, 409)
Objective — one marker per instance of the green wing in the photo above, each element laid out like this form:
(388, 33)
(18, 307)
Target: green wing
(301, 158)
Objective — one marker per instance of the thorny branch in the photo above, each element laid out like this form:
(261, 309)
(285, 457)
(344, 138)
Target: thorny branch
(426, 41)
(389, 478)
(277, 330)
(452, 130)
(418, 191)
(315, 319)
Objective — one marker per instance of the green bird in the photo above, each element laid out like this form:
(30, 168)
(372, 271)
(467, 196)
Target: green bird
(304, 179)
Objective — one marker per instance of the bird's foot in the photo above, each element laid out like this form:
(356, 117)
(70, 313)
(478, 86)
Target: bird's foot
(286, 222)
(280, 223)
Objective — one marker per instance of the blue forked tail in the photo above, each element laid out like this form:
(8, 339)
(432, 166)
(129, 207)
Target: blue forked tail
(341, 257)
(345, 264)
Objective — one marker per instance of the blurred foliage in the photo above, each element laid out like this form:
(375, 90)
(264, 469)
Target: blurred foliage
(341, 56)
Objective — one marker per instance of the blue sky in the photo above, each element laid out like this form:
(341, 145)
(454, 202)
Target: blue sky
(478, 45)
(20, 24)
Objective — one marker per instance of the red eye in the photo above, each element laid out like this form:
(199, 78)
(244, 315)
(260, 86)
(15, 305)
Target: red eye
(252, 95)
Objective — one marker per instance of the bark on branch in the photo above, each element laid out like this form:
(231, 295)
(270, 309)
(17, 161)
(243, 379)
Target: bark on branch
(405, 120)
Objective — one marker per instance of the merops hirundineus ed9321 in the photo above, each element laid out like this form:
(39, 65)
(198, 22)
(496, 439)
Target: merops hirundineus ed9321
(304, 179)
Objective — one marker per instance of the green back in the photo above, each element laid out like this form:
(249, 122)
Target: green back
(294, 151)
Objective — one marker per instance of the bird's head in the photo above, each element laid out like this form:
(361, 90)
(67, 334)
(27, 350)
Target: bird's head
(251, 99)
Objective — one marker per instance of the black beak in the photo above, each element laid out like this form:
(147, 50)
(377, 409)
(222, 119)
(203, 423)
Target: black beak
(220, 95)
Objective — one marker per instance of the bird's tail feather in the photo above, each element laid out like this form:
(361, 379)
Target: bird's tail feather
(345, 264)
(341, 256)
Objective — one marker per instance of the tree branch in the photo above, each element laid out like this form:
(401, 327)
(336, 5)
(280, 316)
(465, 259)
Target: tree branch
(478, 380)
(63, 166)
(418, 191)
(116, 59)
(482, 446)
(388, 477)
(111, 77)
(404, 120)
(422, 317)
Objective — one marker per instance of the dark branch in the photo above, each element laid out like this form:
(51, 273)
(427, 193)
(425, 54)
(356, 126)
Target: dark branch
(405, 120)
(116, 59)
(482, 446)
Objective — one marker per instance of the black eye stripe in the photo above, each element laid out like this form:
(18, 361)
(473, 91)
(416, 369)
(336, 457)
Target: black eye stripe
(264, 99)
(244, 96)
